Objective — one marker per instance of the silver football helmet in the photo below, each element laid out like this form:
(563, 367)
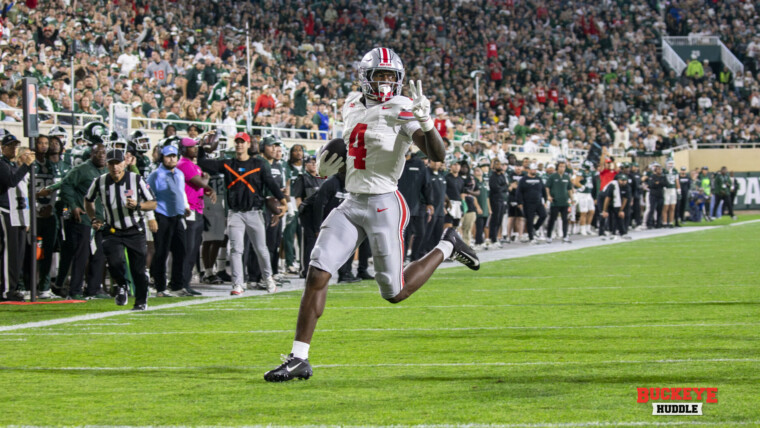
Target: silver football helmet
(59, 133)
(141, 141)
(381, 59)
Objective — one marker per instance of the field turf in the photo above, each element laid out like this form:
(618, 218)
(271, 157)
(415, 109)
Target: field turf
(561, 339)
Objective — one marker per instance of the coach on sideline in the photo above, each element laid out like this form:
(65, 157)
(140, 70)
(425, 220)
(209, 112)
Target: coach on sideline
(123, 226)
(245, 177)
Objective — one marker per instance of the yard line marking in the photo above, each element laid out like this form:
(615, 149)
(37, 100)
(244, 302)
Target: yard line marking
(459, 364)
(503, 254)
(742, 223)
(353, 330)
(109, 314)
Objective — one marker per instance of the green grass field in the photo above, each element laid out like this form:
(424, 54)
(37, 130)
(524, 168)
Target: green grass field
(550, 340)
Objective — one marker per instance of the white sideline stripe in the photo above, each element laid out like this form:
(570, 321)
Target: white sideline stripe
(352, 330)
(109, 314)
(333, 366)
(620, 288)
(742, 223)
(490, 256)
(512, 305)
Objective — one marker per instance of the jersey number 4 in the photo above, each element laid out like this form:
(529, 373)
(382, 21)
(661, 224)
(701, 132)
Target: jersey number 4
(356, 146)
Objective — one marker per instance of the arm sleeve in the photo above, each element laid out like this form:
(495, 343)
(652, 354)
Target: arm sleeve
(297, 191)
(92, 193)
(266, 177)
(209, 165)
(145, 193)
(17, 176)
(519, 192)
(68, 195)
(326, 192)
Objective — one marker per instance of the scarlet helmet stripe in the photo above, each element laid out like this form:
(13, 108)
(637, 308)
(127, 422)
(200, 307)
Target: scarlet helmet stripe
(384, 53)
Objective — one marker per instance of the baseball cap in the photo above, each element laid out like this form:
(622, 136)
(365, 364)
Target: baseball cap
(115, 155)
(243, 136)
(9, 139)
(271, 142)
(704, 167)
(136, 104)
(189, 142)
(683, 168)
(533, 166)
(621, 177)
(169, 150)
(308, 159)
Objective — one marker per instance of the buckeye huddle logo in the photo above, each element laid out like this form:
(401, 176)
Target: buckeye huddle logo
(677, 401)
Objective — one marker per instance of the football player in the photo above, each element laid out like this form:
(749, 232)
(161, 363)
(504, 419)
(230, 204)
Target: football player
(380, 125)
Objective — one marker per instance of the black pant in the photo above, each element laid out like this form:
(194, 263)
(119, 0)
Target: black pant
(562, 211)
(13, 246)
(616, 223)
(727, 203)
(656, 202)
(433, 233)
(47, 229)
(170, 237)
(636, 214)
(415, 228)
(274, 238)
(308, 240)
(76, 252)
(193, 240)
(683, 205)
(531, 211)
(601, 223)
(494, 224)
(364, 254)
(480, 226)
(134, 241)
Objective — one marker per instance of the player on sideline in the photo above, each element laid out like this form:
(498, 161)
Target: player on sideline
(382, 125)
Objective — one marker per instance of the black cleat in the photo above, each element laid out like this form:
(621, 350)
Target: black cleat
(348, 278)
(291, 368)
(462, 252)
(365, 275)
(122, 296)
(140, 307)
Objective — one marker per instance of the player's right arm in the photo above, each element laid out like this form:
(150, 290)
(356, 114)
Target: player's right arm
(427, 137)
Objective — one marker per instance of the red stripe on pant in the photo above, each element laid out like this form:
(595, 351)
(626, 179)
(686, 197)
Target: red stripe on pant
(404, 217)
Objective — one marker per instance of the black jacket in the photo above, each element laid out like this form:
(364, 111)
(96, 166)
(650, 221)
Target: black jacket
(320, 204)
(245, 180)
(530, 190)
(10, 177)
(414, 185)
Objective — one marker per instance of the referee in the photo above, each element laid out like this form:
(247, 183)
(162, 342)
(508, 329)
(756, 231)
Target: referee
(125, 196)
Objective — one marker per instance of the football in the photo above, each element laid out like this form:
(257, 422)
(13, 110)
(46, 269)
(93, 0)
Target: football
(336, 145)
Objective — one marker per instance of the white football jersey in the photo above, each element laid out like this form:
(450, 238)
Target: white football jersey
(377, 136)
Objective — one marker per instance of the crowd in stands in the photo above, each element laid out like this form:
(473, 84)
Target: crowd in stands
(557, 73)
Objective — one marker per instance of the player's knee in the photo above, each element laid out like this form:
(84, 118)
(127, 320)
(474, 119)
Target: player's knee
(395, 299)
(316, 278)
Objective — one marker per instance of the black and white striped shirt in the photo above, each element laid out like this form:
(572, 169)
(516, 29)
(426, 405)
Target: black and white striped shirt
(114, 196)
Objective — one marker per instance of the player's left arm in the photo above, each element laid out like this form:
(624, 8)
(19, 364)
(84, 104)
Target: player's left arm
(427, 137)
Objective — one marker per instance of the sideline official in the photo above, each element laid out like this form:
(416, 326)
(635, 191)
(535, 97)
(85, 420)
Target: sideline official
(123, 226)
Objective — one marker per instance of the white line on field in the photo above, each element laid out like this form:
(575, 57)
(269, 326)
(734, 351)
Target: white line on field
(511, 305)
(458, 364)
(476, 425)
(379, 330)
(101, 315)
(503, 254)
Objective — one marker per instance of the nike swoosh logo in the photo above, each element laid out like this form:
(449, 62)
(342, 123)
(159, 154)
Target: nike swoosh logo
(386, 107)
(381, 210)
(290, 369)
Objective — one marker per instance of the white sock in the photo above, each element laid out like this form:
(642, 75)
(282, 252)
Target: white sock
(209, 271)
(446, 248)
(300, 350)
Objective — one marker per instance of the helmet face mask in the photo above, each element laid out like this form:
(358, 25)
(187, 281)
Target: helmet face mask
(380, 59)
(59, 133)
(141, 141)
